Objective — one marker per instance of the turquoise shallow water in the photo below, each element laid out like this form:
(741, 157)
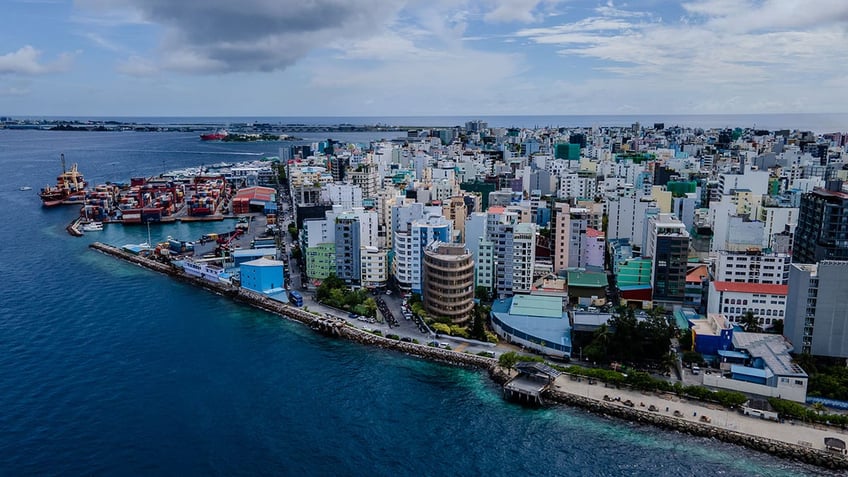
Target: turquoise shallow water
(108, 369)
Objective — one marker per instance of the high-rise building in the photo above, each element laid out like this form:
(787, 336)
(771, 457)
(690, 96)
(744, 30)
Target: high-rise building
(668, 247)
(816, 310)
(822, 231)
(449, 281)
(348, 258)
(569, 237)
(514, 255)
(410, 245)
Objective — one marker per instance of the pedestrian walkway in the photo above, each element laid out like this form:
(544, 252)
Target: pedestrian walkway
(700, 412)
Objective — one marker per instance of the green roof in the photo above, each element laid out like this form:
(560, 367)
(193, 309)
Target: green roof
(535, 305)
(583, 278)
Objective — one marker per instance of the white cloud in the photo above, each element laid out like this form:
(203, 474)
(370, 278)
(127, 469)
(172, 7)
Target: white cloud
(523, 11)
(137, 66)
(26, 61)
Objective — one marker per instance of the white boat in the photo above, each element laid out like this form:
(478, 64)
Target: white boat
(26, 188)
(92, 227)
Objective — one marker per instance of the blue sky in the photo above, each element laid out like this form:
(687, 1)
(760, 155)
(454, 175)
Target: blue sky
(421, 57)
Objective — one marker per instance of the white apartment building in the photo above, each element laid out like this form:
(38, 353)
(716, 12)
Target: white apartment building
(752, 267)
(766, 301)
(627, 215)
(375, 267)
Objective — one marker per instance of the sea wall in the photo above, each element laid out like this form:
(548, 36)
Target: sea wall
(322, 323)
(338, 327)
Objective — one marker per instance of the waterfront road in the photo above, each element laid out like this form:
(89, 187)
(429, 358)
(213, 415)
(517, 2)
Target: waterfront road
(696, 411)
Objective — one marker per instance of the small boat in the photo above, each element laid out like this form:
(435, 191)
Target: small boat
(25, 188)
(92, 227)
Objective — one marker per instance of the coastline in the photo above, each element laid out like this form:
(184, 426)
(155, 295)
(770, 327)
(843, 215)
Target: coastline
(338, 327)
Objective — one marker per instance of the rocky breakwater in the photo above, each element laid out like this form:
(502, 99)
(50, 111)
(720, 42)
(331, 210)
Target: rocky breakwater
(786, 450)
(326, 324)
(423, 351)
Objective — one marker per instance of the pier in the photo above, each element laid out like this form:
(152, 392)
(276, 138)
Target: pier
(532, 380)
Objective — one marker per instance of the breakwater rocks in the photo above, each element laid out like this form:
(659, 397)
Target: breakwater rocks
(785, 450)
(326, 324)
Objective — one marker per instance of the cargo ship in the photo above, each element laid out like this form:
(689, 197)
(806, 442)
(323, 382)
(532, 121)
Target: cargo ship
(215, 136)
(69, 188)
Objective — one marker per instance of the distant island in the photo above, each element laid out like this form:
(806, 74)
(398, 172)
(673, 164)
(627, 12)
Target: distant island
(238, 132)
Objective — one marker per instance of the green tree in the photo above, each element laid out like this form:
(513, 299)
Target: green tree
(777, 327)
(371, 306)
(508, 360)
(750, 322)
(478, 325)
(685, 340)
(482, 293)
(441, 328)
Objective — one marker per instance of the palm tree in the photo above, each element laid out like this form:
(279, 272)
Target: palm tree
(750, 322)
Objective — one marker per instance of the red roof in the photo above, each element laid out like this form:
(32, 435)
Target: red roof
(593, 233)
(256, 193)
(740, 287)
(694, 275)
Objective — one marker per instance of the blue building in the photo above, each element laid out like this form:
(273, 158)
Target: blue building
(713, 334)
(262, 275)
(535, 322)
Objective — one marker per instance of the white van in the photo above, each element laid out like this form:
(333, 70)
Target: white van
(696, 369)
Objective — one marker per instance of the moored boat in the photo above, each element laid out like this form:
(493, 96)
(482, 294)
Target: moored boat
(215, 136)
(69, 188)
(92, 227)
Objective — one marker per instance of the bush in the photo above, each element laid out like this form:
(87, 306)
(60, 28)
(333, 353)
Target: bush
(377, 332)
(491, 337)
(393, 336)
(456, 330)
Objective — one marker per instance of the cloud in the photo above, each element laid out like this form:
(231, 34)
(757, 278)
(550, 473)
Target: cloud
(523, 11)
(25, 61)
(217, 36)
(137, 66)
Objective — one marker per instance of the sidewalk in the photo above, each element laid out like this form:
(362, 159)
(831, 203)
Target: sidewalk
(694, 411)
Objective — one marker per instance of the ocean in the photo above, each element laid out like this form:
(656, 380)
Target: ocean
(110, 369)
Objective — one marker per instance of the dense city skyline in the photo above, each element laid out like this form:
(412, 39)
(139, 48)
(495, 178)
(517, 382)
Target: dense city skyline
(381, 57)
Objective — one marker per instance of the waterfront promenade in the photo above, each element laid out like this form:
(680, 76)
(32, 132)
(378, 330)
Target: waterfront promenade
(701, 413)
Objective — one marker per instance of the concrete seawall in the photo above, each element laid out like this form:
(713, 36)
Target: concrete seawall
(338, 327)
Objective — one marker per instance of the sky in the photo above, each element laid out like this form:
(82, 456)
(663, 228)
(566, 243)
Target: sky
(421, 57)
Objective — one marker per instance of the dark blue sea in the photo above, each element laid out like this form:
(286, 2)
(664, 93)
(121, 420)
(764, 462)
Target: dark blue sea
(109, 369)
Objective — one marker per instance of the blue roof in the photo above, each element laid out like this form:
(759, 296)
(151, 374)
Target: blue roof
(749, 371)
(732, 354)
(553, 329)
